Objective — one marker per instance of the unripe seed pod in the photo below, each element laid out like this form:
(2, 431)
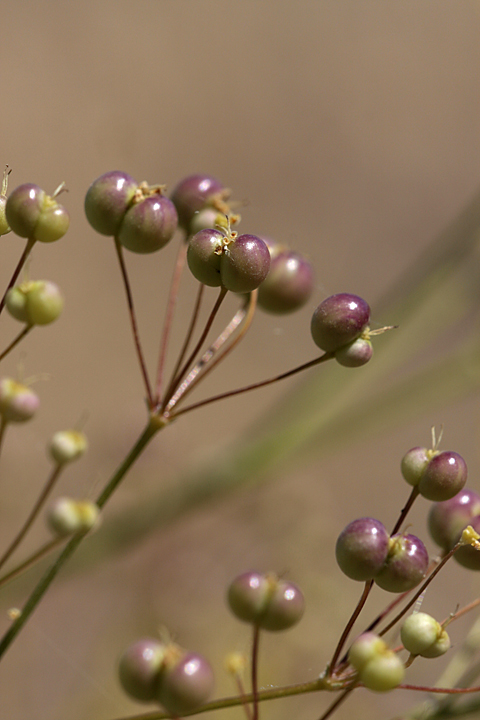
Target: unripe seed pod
(67, 445)
(204, 255)
(67, 516)
(288, 285)
(339, 320)
(38, 302)
(362, 548)
(140, 667)
(18, 403)
(422, 635)
(192, 194)
(383, 673)
(444, 476)
(53, 222)
(148, 225)
(248, 596)
(366, 647)
(447, 519)
(355, 354)
(23, 209)
(186, 685)
(405, 566)
(107, 201)
(414, 463)
(468, 556)
(244, 264)
(16, 303)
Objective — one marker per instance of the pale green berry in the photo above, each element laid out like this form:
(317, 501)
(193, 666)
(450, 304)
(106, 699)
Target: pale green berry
(366, 647)
(37, 302)
(422, 635)
(18, 403)
(383, 673)
(67, 516)
(67, 445)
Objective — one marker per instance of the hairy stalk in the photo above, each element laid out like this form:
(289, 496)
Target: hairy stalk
(16, 340)
(55, 474)
(254, 386)
(28, 248)
(133, 322)
(169, 313)
(153, 426)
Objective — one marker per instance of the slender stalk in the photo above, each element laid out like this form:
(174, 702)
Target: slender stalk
(336, 703)
(30, 561)
(16, 272)
(193, 321)
(254, 386)
(413, 496)
(153, 426)
(211, 358)
(169, 313)
(33, 514)
(16, 340)
(134, 325)
(3, 427)
(349, 626)
(255, 645)
(168, 402)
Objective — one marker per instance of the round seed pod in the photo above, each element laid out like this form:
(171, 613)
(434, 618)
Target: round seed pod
(148, 225)
(339, 320)
(444, 476)
(422, 635)
(23, 209)
(405, 566)
(186, 684)
(288, 285)
(244, 264)
(414, 463)
(447, 520)
(355, 354)
(468, 556)
(140, 667)
(383, 673)
(67, 516)
(192, 194)
(107, 200)
(362, 548)
(204, 255)
(67, 446)
(248, 596)
(18, 403)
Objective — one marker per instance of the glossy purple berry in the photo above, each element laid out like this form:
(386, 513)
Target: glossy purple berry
(107, 200)
(405, 566)
(248, 596)
(244, 264)
(139, 669)
(338, 320)
(355, 354)
(23, 209)
(148, 225)
(204, 255)
(288, 285)
(193, 194)
(285, 608)
(444, 477)
(414, 463)
(468, 556)
(447, 519)
(185, 685)
(362, 548)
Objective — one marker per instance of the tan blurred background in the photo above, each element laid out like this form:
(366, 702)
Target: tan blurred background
(352, 131)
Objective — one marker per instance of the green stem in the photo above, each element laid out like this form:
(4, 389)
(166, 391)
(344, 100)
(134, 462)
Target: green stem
(153, 426)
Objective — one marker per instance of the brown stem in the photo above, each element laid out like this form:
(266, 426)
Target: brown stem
(169, 313)
(336, 703)
(133, 322)
(15, 342)
(33, 514)
(16, 272)
(30, 561)
(254, 386)
(413, 496)
(171, 402)
(349, 626)
(255, 644)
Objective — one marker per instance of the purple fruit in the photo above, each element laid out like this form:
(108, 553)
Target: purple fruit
(288, 285)
(192, 194)
(447, 519)
(444, 477)
(405, 566)
(338, 320)
(107, 200)
(362, 548)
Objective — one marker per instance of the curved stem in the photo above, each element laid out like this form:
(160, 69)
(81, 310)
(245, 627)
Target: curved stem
(169, 313)
(337, 703)
(153, 426)
(15, 342)
(170, 402)
(254, 386)
(16, 272)
(133, 322)
(33, 514)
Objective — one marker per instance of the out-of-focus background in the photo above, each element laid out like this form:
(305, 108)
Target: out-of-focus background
(351, 131)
